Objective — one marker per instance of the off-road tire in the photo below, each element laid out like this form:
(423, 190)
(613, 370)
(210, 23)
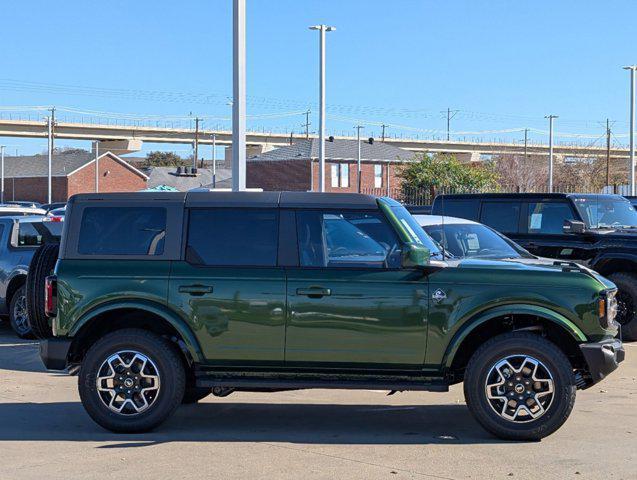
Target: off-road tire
(42, 265)
(170, 369)
(20, 329)
(520, 343)
(194, 394)
(627, 286)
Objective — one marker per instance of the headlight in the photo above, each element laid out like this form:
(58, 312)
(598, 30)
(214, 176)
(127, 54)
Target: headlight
(607, 309)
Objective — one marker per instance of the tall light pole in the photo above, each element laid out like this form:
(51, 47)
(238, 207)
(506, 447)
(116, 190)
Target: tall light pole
(551, 118)
(2, 173)
(97, 166)
(239, 96)
(49, 121)
(322, 29)
(358, 166)
(632, 69)
(214, 160)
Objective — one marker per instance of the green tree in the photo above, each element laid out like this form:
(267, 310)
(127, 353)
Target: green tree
(163, 159)
(444, 172)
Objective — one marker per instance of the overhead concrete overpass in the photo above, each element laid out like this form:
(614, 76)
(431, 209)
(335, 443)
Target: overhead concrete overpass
(126, 139)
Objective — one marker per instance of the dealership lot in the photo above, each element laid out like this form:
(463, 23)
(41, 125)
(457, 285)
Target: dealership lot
(45, 433)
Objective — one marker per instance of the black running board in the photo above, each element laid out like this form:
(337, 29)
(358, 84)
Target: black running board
(211, 381)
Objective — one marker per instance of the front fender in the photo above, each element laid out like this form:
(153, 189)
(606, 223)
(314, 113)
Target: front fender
(516, 309)
(158, 309)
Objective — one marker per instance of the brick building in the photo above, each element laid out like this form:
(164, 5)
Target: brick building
(25, 177)
(295, 167)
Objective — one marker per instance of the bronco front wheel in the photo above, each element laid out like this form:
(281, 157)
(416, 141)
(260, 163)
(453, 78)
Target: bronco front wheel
(131, 381)
(520, 386)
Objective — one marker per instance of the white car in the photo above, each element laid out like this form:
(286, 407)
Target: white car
(465, 238)
(12, 210)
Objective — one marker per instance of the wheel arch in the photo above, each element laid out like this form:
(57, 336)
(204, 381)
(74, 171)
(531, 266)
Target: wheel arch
(608, 263)
(17, 280)
(546, 322)
(146, 315)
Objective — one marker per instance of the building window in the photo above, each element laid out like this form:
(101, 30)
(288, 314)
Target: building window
(335, 181)
(378, 176)
(344, 175)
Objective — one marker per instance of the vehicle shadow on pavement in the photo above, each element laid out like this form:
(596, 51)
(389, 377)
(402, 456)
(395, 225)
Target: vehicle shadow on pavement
(17, 353)
(255, 422)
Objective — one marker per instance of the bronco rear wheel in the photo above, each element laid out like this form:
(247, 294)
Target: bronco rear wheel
(131, 380)
(520, 386)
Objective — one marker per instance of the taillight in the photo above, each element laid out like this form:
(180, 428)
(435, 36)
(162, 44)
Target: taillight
(50, 296)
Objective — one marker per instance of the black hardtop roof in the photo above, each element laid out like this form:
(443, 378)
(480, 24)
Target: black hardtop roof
(238, 199)
(522, 196)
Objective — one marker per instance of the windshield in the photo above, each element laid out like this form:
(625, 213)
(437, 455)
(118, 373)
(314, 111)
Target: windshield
(605, 211)
(473, 240)
(415, 232)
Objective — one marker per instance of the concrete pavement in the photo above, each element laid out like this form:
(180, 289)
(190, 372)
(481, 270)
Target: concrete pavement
(45, 434)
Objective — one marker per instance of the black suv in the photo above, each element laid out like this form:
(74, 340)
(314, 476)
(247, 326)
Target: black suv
(597, 230)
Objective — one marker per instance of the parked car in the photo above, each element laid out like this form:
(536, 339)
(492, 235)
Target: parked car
(12, 210)
(161, 298)
(20, 237)
(599, 231)
(419, 209)
(465, 238)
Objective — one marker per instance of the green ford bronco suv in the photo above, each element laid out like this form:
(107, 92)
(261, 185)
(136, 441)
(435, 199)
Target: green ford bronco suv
(163, 298)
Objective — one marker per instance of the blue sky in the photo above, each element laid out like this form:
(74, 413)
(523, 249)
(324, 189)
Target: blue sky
(502, 64)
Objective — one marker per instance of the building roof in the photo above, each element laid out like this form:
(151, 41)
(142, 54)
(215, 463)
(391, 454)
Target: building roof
(167, 176)
(337, 149)
(63, 164)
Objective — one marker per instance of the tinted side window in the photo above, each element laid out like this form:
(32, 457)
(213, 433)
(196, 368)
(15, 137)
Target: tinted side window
(460, 208)
(346, 239)
(501, 216)
(122, 231)
(36, 233)
(233, 237)
(548, 217)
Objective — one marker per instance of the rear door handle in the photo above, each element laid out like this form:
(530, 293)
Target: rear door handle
(195, 290)
(314, 292)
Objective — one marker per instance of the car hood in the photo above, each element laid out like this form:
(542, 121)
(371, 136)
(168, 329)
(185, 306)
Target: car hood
(535, 264)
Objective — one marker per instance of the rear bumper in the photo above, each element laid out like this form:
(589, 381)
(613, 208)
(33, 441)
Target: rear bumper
(54, 352)
(603, 358)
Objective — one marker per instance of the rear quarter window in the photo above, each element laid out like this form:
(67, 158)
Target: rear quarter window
(122, 231)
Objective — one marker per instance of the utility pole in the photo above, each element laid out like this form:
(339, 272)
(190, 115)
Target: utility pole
(239, 96)
(526, 142)
(97, 166)
(382, 136)
(322, 29)
(2, 173)
(307, 124)
(214, 160)
(196, 157)
(450, 114)
(632, 69)
(358, 139)
(607, 152)
(551, 118)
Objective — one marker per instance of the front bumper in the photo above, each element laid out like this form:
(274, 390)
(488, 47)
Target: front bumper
(54, 352)
(602, 358)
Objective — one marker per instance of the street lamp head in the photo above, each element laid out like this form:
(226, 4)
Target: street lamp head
(630, 67)
(327, 28)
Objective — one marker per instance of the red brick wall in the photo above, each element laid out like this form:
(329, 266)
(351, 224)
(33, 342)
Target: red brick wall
(113, 177)
(35, 188)
(289, 175)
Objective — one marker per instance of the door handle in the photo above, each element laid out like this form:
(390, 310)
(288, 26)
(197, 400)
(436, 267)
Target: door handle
(314, 292)
(195, 290)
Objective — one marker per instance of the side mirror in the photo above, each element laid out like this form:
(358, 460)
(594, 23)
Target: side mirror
(573, 226)
(415, 256)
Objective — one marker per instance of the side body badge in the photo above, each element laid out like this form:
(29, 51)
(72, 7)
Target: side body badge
(438, 296)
